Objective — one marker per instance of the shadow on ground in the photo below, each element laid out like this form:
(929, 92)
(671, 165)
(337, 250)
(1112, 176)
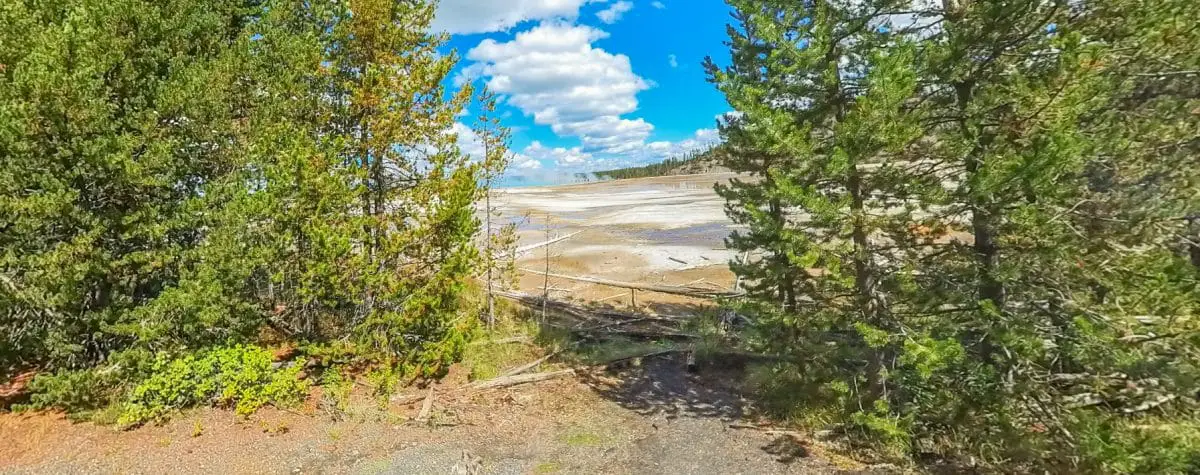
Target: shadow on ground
(662, 385)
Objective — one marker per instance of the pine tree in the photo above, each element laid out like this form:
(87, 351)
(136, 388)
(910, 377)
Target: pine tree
(970, 234)
(177, 176)
(113, 115)
(749, 202)
(499, 260)
(417, 190)
(1031, 88)
(822, 92)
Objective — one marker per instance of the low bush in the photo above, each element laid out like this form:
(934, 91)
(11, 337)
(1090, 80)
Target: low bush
(242, 377)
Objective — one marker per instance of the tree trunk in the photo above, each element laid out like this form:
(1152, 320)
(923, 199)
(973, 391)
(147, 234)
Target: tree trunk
(490, 257)
(983, 218)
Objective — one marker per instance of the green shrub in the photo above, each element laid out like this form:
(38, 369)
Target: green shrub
(83, 392)
(76, 391)
(1117, 445)
(240, 376)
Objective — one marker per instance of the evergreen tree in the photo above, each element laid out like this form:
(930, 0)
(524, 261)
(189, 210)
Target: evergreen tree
(1063, 252)
(113, 116)
(822, 90)
(417, 190)
(972, 219)
(179, 175)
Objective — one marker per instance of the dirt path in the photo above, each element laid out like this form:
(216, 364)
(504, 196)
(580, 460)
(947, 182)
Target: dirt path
(650, 419)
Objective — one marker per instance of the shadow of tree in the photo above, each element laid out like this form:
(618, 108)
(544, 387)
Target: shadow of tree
(662, 385)
(659, 383)
(787, 448)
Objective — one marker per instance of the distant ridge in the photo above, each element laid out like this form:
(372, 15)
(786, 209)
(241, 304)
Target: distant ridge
(690, 164)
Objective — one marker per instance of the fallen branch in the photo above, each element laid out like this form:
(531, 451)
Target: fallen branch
(526, 367)
(507, 381)
(1077, 401)
(617, 362)
(1148, 405)
(698, 292)
(585, 313)
(524, 249)
(403, 399)
(767, 430)
(512, 339)
(617, 323)
(610, 297)
(649, 335)
(423, 416)
(495, 383)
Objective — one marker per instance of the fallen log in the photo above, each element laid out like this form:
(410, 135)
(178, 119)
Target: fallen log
(526, 367)
(507, 381)
(513, 339)
(767, 430)
(620, 362)
(524, 249)
(423, 416)
(698, 292)
(585, 313)
(639, 334)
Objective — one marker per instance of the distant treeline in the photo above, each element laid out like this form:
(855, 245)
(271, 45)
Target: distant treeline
(664, 167)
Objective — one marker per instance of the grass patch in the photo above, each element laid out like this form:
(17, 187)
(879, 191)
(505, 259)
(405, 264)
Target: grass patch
(615, 349)
(785, 396)
(486, 358)
(581, 438)
(547, 467)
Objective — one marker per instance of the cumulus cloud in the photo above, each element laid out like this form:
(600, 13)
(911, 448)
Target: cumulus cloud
(563, 157)
(554, 73)
(483, 16)
(613, 13)
(521, 161)
(701, 140)
(470, 144)
(657, 4)
(673, 61)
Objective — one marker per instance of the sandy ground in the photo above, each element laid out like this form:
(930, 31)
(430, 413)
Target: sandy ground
(663, 230)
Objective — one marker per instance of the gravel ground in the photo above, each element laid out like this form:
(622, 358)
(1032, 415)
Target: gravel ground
(653, 419)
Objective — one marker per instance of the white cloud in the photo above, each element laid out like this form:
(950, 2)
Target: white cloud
(699, 141)
(521, 161)
(608, 133)
(611, 14)
(673, 61)
(563, 157)
(468, 142)
(554, 73)
(483, 16)
(658, 5)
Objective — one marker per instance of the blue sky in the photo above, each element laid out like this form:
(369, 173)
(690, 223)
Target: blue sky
(591, 84)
